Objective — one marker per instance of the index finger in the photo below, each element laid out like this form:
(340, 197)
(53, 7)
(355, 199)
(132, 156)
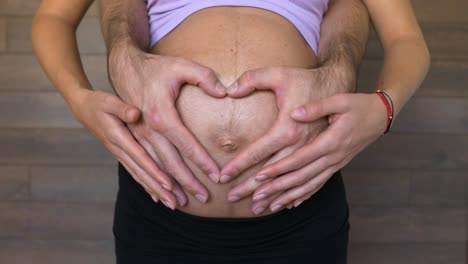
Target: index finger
(189, 147)
(260, 149)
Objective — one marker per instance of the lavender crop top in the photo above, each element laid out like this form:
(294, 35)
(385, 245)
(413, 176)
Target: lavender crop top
(305, 15)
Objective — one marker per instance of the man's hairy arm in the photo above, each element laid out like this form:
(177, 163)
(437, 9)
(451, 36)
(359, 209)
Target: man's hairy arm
(343, 41)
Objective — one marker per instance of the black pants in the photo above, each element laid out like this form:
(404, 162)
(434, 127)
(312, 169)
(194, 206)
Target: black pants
(147, 232)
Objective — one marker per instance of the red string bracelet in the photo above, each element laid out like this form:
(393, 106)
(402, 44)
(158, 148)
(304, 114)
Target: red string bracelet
(388, 105)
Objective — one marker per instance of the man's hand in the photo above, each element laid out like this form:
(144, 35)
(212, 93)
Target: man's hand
(152, 83)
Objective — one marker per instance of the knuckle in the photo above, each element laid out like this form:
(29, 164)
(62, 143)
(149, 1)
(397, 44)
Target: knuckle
(206, 73)
(255, 156)
(290, 135)
(157, 121)
(187, 151)
(171, 167)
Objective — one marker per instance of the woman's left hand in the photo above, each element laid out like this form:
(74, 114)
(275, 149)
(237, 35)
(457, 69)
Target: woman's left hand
(356, 120)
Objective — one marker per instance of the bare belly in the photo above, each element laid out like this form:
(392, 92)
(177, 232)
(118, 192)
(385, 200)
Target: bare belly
(231, 40)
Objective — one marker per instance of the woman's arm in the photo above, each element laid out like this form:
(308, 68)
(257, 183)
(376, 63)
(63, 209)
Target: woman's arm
(55, 45)
(406, 57)
(54, 42)
(356, 120)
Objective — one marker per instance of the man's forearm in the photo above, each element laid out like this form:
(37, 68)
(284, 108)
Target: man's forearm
(125, 29)
(343, 39)
(124, 22)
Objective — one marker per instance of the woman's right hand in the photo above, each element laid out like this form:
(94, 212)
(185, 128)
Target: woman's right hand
(152, 83)
(105, 115)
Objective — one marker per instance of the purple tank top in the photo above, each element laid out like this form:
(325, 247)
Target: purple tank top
(305, 15)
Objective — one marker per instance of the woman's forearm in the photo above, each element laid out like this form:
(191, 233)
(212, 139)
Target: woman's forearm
(54, 43)
(405, 65)
(406, 57)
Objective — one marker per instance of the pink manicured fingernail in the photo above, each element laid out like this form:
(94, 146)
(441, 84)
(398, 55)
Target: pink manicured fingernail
(259, 197)
(259, 210)
(154, 198)
(168, 204)
(214, 177)
(276, 207)
(300, 112)
(233, 198)
(225, 178)
(202, 198)
(296, 204)
(261, 177)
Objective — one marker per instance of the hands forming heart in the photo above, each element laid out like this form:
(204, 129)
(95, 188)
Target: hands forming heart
(303, 153)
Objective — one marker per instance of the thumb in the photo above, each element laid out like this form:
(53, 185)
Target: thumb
(320, 108)
(259, 79)
(203, 77)
(125, 112)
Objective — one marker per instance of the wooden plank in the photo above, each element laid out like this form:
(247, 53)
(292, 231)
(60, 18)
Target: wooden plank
(377, 187)
(439, 188)
(44, 109)
(418, 151)
(421, 224)
(445, 41)
(85, 184)
(57, 251)
(441, 11)
(29, 7)
(56, 220)
(414, 253)
(22, 72)
(14, 183)
(433, 115)
(89, 36)
(52, 146)
(445, 78)
(3, 34)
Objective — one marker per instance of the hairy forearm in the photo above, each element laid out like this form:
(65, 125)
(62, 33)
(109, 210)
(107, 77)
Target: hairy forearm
(124, 23)
(125, 28)
(343, 40)
(54, 43)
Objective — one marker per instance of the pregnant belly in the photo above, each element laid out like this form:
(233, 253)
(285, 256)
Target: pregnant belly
(231, 40)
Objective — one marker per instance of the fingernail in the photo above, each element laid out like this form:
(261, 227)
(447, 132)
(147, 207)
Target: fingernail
(214, 177)
(220, 88)
(276, 207)
(154, 198)
(232, 87)
(261, 177)
(202, 198)
(225, 178)
(290, 206)
(165, 186)
(233, 198)
(300, 112)
(168, 204)
(259, 210)
(296, 204)
(259, 197)
(179, 201)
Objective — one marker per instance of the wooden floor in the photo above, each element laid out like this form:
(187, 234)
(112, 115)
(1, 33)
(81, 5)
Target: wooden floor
(408, 191)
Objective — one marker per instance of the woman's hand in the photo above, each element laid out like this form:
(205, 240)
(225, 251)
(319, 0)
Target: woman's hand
(152, 83)
(356, 120)
(105, 116)
(293, 87)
